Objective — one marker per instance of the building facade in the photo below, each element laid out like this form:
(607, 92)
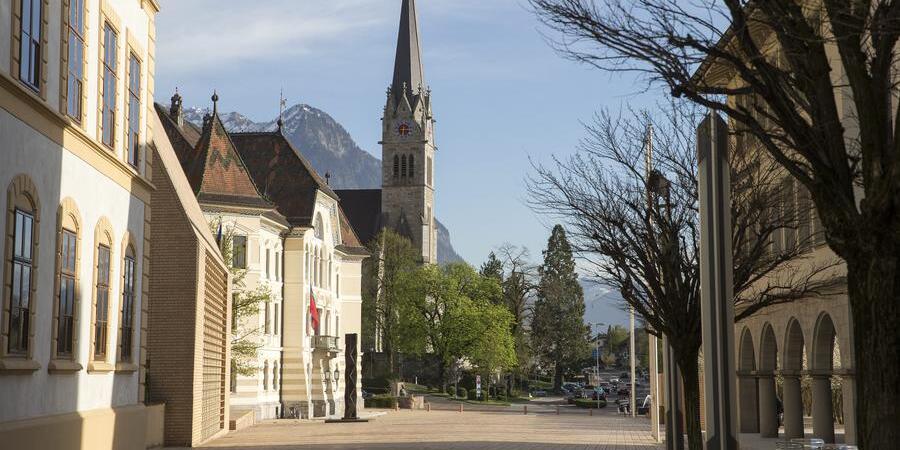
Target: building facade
(290, 237)
(76, 89)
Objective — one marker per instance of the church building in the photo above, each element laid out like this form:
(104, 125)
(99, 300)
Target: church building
(405, 203)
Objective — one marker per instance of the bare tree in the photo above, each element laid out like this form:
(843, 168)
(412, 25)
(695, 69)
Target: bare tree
(646, 245)
(519, 285)
(819, 83)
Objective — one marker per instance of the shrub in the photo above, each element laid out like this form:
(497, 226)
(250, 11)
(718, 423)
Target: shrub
(462, 393)
(382, 402)
(588, 403)
(473, 395)
(450, 391)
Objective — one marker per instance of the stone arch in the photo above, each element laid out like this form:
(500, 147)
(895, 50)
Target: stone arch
(768, 349)
(18, 336)
(747, 361)
(747, 386)
(823, 342)
(794, 346)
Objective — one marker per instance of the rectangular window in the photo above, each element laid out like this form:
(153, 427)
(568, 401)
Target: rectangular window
(128, 296)
(791, 215)
(277, 323)
(267, 319)
(278, 266)
(31, 45)
(134, 110)
(65, 332)
(239, 256)
(110, 82)
(102, 315)
(268, 262)
(22, 264)
(75, 88)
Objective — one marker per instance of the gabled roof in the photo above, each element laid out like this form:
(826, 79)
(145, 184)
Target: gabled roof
(214, 168)
(408, 67)
(350, 243)
(283, 175)
(183, 137)
(363, 210)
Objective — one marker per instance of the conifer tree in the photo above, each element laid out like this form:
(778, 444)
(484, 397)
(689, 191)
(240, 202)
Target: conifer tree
(559, 334)
(493, 269)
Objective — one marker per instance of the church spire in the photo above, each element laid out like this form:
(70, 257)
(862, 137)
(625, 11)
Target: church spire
(408, 63)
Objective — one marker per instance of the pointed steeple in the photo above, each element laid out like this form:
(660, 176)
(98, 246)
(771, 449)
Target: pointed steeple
(408, 68)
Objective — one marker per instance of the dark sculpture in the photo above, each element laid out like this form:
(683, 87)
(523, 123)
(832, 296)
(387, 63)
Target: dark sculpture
(350, 376)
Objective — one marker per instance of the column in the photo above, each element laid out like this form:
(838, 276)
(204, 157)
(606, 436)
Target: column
(768, 406)
(654, 387)
(793, 407)
(848, 391)
(749, 413)
(674, 413)
(716, 285)
(822, 409)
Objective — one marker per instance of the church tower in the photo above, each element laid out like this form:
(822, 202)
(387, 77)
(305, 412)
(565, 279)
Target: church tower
(408, 150)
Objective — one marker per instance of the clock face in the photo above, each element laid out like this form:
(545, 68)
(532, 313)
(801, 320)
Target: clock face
(404, 129)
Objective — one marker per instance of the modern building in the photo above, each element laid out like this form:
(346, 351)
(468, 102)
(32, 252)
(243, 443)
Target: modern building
(290, 235)
(405, 203)
(76, 90)
(189, 343)
(799, 354)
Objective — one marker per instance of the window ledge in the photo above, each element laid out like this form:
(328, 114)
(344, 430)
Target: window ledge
(126, 368)
(18, 365)
(64, 366)
(100, 367)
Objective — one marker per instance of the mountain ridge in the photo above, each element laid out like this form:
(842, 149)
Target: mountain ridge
(329, 148)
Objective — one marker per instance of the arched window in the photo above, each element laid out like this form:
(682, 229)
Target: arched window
(275, 376)
(412, 166)
(65, 316)
(129, 301)
(403, 166)
(266, 376)
(23, 210)
(103, 258)
(396, 166)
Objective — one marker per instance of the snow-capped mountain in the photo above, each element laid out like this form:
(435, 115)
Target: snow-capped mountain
(328, 147)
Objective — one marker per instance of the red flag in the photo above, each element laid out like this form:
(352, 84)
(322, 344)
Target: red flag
(313, 312)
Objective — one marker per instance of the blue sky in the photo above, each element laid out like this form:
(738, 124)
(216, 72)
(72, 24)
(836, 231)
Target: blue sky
(501, 94)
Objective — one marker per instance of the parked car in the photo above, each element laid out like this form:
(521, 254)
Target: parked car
(539, 393)
(598, 394)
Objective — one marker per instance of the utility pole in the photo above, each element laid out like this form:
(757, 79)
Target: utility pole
(631, 345)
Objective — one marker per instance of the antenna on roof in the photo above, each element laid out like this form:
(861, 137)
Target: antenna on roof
(281, 104)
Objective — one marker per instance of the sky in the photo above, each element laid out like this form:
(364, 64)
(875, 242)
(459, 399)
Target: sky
(502, 97)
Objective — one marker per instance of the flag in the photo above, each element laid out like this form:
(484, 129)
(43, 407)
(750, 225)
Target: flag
(313, 322)
(219, 233)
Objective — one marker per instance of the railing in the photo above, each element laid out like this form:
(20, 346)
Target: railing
(327, 343)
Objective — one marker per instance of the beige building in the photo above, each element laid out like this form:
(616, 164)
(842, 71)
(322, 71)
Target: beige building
(76, 90)
(291, 236)
(798, 354)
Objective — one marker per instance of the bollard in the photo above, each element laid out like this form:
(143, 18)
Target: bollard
(428, 407)
(460, 407)
(397, 407)
(557, 410)
(525, 411)
(591, 412)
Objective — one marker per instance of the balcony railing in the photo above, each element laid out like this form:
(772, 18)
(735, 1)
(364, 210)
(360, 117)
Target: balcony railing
(326, 343)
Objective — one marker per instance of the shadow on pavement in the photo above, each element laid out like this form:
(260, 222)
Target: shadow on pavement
(475, 445)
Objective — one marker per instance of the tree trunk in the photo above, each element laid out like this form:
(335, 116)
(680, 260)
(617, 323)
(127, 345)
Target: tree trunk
(557, 378)
(690, 374)
(874, 292)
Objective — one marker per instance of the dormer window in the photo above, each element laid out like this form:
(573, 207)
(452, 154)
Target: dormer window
(319, 227)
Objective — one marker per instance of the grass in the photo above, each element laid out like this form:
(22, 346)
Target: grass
(540, 384)
(588, 403)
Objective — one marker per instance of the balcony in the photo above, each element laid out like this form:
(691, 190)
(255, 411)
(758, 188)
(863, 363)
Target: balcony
(325, 343)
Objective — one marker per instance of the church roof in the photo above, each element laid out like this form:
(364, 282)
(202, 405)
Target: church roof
(282, 174)
(363, 209)
(408, 67)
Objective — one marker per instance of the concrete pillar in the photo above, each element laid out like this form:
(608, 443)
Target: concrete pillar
(654, 387)
(848, 390)
(749, 411)
(716, 285)
(793, 407)
(822, 409)
(674, 413)
(768, 406)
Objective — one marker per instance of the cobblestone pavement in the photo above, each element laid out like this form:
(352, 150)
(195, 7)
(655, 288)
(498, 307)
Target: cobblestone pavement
(450, 430)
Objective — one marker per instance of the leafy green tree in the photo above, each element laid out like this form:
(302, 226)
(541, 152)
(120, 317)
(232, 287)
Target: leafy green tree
(559, 335)
(447, 312)
(393, 257)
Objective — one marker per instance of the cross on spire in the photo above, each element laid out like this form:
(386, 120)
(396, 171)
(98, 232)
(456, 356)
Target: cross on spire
(281, 104)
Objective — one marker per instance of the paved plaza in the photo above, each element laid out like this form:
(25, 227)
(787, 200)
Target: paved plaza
(451, 430)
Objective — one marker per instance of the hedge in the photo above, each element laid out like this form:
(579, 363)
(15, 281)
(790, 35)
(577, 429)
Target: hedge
(382, 402)
(588, 403)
